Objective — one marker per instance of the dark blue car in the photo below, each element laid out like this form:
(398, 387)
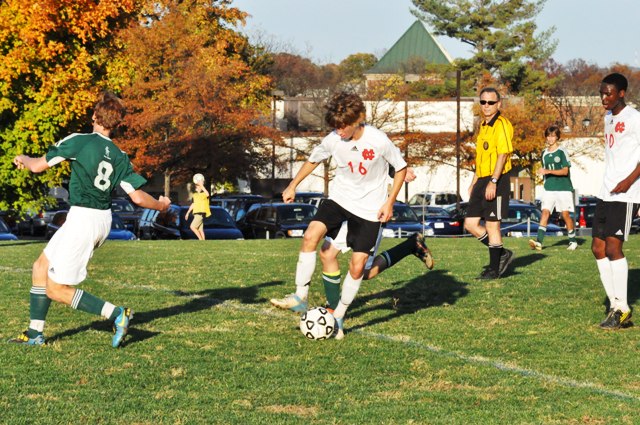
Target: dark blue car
(438, 221)
(171, 224)
(5, 233)
(524, 219)
(118, 230)
(277, 220)
(404, 222)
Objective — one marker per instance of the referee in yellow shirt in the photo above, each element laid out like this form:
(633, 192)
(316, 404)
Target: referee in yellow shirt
(490, 189)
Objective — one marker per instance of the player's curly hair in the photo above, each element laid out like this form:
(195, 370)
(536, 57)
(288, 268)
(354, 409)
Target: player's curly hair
(344, 109)
(109, 111)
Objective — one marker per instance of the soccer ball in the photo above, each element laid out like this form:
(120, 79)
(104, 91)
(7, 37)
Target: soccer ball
(317, 323)
(198, 178)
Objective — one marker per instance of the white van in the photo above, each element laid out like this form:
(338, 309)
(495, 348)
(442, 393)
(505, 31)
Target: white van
(433, 198)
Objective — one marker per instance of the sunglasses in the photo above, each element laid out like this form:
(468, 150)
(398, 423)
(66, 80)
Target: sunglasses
(490, 102)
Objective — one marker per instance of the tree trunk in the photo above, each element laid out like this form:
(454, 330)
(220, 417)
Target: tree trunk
(167, 182)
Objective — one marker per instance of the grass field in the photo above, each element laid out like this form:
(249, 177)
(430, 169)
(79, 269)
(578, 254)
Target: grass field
(421, 347)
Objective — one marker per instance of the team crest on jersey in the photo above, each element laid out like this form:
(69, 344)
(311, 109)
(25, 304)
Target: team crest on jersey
(106, 152)
(368, 154)
(619, 127)
(556, 159)
(485, 145)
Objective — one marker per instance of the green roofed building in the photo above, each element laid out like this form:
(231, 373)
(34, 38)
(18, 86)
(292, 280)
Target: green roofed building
(416, 46)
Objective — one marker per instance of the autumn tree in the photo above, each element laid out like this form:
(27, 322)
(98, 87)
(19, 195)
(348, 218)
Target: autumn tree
(501, 35)
(196, 105)
(53, 58)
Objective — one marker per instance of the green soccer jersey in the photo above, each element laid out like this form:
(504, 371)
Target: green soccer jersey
(556, 160)
(97, 167)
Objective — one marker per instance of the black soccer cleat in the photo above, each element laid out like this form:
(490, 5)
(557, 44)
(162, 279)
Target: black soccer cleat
(488, 274)
(505, 259)
(421, 250)
(616, 320)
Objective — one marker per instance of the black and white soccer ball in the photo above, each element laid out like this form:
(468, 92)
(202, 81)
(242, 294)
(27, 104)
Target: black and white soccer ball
(317, 323)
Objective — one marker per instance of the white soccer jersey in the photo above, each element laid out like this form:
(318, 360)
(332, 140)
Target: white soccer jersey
(361, 177)
(622, 154)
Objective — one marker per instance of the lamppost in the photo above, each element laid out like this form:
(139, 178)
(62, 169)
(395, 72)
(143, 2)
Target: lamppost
(275, 96)
(458, 77)
(408, 78)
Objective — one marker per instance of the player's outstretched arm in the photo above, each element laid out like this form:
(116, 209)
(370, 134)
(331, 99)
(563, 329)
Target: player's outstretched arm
(144, 200)
(35, 165)
(289, 194)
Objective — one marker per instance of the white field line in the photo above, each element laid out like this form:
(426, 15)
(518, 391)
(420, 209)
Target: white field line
(403, 340)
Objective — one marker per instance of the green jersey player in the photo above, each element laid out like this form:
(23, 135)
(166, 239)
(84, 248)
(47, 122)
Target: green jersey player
(97, 167)
(558, 188)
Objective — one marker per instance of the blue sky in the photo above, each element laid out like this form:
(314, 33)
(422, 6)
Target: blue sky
(598, 31)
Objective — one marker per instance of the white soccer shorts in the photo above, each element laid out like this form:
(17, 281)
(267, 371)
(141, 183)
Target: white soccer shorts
(560, 200)
(71, 247)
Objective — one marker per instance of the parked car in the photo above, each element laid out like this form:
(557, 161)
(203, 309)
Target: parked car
(516, 222)
(439, 220)
(128, 212)
(118, 230)
(236, 204)
(277, 220)
(523, 218)
(171, 224)
(11, 219)
(5, 232)
(35, 223)
(403, 223)
(585, 211)
(433, 198)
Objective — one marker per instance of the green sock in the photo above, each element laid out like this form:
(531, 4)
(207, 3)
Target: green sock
(331, 283)
(38, 308)
(541, 231)
(86, 302)
(572, 235)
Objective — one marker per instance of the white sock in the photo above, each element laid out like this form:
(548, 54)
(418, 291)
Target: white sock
(350, 288)
(620, 277)
(107, 310)
(37, 325)
(606, 277)
(304, 271)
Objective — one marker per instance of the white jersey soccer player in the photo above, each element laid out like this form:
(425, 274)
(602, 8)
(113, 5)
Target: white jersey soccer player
(360, 182)
(358, 194)
(621, 153)
(619, 196)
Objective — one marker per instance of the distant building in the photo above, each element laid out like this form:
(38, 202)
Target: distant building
(408, 56)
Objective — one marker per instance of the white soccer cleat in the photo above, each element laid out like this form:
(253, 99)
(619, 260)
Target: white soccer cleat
(339, 329)
(290, 302)
(535, 245)
(572, 246)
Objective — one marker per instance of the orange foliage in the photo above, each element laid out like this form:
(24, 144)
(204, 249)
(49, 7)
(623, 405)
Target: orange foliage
(195, 103)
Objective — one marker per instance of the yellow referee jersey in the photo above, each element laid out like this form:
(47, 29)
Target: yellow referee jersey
(494, 138)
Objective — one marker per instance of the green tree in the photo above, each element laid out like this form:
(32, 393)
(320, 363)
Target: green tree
(53, 58)
(501, 34)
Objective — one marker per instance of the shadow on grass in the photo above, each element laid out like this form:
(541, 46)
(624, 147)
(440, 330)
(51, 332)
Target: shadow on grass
(564, 241)
(432, 289)
(522, 262)
(196, 301)
(18, 243)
